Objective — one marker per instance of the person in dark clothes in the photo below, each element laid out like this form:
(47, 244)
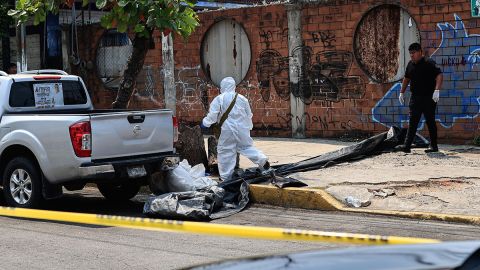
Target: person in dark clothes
(425, 80)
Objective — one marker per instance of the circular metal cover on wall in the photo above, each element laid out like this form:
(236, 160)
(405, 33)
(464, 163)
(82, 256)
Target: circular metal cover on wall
(225, 52)
(381, 42)
(113, 52)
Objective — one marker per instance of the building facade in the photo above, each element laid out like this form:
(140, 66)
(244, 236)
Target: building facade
(321, 69)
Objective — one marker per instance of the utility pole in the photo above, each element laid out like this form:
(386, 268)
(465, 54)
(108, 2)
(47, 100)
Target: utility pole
(21, 36)
(169, 73)
(297, 106)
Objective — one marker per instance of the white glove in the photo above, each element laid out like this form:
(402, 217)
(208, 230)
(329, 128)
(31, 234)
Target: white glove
(401, 98)
(436, 96)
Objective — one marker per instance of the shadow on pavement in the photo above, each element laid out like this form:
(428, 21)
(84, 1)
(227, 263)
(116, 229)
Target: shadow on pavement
(90, 201)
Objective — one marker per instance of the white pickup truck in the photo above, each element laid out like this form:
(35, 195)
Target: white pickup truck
(51, 137)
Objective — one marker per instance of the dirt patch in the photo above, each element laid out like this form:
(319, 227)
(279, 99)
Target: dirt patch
(442, 195)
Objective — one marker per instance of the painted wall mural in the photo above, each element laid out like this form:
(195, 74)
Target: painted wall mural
(322, 76)
(458, 55)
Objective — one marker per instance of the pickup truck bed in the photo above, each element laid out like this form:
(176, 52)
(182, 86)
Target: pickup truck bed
(50, 143)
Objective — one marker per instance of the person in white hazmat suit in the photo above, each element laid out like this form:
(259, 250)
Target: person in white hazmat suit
(235, 135)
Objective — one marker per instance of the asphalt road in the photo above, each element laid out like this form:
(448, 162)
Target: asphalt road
(53, 245)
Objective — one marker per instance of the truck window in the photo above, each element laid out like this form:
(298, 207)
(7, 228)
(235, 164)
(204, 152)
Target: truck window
(22, 95)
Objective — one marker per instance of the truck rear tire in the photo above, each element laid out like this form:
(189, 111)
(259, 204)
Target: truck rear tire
(22, 183)
(119, 191)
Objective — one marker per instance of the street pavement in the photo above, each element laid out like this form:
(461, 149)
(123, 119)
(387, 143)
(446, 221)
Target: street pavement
(444, 182)
(55, 245)
(447, 182)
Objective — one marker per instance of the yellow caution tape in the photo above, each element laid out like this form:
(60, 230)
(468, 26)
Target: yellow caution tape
(211, 228)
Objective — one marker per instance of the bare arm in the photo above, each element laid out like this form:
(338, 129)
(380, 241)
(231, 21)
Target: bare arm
(438, 81)
(405, 83)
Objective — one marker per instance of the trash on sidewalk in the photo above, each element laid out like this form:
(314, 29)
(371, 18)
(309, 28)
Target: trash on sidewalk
(187, 178)
(384, 192)
(213, 202)
(206, 201)
(204, 204)
(351, 201)
(196, 205)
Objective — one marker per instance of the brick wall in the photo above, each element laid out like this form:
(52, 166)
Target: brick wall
(352, 64)
(149, 86)
(267, 106)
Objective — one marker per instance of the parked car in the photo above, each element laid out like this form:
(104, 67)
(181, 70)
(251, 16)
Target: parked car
(52, 137)
(441, 256)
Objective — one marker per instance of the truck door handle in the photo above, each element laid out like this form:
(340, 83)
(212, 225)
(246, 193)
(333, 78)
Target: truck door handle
(134, 119)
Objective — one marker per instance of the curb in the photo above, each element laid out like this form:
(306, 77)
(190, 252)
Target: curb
(314, 199)
(319, 199)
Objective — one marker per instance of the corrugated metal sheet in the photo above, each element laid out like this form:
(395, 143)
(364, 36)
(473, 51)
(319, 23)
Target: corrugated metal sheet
(226, 52)
(381, 41)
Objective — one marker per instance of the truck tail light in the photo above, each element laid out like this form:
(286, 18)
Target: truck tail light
(175, 129)
(81, 137)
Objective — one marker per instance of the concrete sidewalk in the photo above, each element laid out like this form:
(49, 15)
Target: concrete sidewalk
(443, 185)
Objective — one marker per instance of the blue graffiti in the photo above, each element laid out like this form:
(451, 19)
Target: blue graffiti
(459, 57)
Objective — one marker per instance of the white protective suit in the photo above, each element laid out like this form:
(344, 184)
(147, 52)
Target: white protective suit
(235, 136)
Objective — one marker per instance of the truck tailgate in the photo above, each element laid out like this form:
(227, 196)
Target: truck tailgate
(130, 133)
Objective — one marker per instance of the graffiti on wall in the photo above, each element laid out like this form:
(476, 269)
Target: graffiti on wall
(330, 77)
(267, 36)
(458, 56)
(322, 76)
(325, 120)
(327, 38)
(149, 84)
(189, 83)
(191, 89)
(317, 122)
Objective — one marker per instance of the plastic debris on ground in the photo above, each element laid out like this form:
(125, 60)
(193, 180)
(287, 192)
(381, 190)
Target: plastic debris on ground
(188, 178)
(384, 192)
(197, 205)
(351, 201)
(204, 203)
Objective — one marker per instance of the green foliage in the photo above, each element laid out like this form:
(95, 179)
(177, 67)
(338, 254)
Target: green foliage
(140, 16)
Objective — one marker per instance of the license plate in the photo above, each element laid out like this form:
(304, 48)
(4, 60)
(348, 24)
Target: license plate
(137, 171)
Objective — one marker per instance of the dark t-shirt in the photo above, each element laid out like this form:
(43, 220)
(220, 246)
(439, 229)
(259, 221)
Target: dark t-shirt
(422, 76)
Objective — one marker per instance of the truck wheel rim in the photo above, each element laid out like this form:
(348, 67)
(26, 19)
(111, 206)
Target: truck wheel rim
(20, 186)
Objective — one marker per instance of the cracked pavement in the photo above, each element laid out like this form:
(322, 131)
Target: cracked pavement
(444, 182)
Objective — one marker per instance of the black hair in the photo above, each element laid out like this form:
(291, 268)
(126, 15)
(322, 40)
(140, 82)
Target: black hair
(12, 65)
(415, 47)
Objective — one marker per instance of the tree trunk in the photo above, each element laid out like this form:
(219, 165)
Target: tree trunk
(191, 145)
(212, 154)
(134, 66)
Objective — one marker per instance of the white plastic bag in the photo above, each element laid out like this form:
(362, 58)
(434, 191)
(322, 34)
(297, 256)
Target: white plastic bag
(197, 171)
(186, 178)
